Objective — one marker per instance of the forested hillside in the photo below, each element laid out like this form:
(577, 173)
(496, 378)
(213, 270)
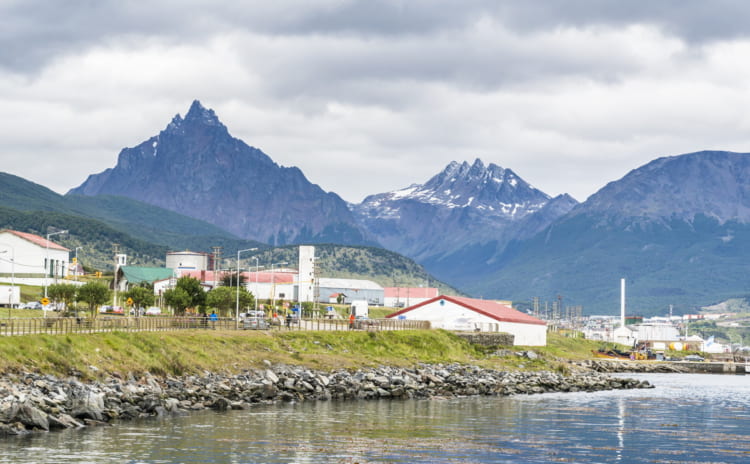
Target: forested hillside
(385, 267)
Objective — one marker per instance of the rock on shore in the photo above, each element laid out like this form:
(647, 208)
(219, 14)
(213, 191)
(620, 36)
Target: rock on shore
(33, 402)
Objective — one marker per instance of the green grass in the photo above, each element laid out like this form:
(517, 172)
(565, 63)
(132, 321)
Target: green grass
(194, 351)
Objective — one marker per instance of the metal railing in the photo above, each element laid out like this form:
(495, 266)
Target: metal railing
(70, 325)
(322, 324)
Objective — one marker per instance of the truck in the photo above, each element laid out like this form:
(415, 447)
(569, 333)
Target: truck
(359, 308)
(10, 295)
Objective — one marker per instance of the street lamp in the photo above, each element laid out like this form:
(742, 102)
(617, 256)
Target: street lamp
(46, 274)
(273, 284)
(237, 309)
(12, 272)
(76, 271)
(257, 268)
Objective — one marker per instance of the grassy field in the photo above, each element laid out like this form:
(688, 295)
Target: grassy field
(196, 351)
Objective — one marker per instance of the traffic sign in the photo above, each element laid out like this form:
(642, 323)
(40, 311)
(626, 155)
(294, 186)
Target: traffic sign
(44, 301)
(130, 302)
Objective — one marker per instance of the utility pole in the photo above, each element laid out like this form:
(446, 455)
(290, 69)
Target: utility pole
(116, 250)
(216, 254)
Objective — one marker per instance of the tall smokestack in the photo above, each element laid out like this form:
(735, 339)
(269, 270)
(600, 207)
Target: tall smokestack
(622, 302)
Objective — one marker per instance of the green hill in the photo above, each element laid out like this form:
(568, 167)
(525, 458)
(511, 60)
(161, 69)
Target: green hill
(95, 237)
(387, 268)
(146, 233)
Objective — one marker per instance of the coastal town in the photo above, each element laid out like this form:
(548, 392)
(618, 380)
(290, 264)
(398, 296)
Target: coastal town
(302, 292)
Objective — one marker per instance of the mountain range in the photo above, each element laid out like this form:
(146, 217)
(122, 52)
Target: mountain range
(674, 228)
(196, 168)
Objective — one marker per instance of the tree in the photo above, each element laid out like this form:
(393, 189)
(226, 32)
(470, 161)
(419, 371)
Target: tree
(307, 307)
(178, 299)
(190, 295)
(95, 294)
(224, 300)
(64, 293)
(229, 279)
(141, 296)
(192, 287)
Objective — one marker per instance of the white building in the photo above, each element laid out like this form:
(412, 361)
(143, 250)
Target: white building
(469, 314)
(306, 279)
(30, 259)
(187, 260)
(351, 289)
(279, 284)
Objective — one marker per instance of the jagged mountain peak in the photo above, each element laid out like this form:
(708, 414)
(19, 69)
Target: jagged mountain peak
(199, 113)
(198, 117)
(477, 186)
(195, 167)
(464, 206)
(491, 188)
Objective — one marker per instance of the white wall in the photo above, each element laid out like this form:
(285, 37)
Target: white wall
(10, 294)
(306, 276)
(187, 261)
(451, 316)
(27, 261)
(262, 291)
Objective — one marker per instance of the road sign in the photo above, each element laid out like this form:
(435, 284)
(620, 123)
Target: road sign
(44, 301)
(130, 302)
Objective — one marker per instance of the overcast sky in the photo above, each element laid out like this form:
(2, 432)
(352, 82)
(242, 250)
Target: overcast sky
(371, 96)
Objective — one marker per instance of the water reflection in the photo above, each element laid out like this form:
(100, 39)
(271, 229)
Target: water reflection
(689, 418)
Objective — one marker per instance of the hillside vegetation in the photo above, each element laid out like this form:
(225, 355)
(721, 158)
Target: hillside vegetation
(387, 268)
(146, 233)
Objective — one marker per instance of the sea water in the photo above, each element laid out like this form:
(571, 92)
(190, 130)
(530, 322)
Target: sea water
(687, 418)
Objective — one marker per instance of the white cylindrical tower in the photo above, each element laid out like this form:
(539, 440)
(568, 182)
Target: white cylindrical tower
(622, 302)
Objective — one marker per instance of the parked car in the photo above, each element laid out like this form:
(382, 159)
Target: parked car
(31, 305)
(694, 358)
(153, 311)
(250, 314)
(111, 309)
(255, 323)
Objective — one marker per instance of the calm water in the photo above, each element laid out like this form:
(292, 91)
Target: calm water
(686, 419)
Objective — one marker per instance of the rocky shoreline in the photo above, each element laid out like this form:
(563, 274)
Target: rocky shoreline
(615, 366)
(33, 402)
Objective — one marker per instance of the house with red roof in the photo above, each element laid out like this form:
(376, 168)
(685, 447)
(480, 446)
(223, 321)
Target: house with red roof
(30, 259)
(472, 315)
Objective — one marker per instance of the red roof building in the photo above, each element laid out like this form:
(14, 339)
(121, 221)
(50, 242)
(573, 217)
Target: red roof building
(31, 259)
(470, 314)
(37, 240)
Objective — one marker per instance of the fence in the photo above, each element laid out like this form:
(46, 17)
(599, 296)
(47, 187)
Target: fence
(68, 325)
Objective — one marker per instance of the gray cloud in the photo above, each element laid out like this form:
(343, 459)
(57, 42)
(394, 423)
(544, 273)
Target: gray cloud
(35, 31)
(569, 94)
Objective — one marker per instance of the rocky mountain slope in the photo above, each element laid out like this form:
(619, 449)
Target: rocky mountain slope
(196, 168)
(677, 229)
(463, 208)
